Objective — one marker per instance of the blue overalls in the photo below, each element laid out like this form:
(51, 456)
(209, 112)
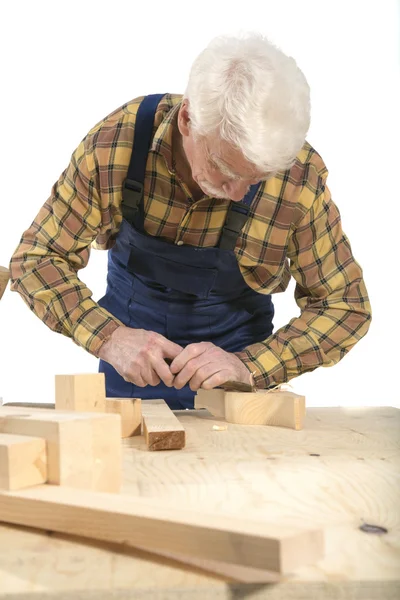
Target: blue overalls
(185, 293)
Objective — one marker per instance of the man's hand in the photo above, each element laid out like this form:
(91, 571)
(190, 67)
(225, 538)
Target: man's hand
(138, 356)
(206, 366)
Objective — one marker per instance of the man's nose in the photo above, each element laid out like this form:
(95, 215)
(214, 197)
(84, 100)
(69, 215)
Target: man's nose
(235, 190)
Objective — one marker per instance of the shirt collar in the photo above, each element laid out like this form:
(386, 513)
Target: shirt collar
(162, 140)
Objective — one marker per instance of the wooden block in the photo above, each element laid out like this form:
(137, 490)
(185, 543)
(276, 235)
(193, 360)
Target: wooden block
(212, 400)
(150, 524)
(4, 278)
(23, 461)
(131, 414)
(82, 392)
(282, 409)
(279, 408)
(161, 428)
(83, 449)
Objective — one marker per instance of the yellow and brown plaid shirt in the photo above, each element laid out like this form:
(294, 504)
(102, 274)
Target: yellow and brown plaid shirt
(294, 229)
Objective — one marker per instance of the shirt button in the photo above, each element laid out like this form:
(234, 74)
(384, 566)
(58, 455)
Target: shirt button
(179, 243)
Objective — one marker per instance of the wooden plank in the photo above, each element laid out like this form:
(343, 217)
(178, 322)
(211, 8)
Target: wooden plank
(83, 449)
(4, 278)
(23, 461)
(282, 409)
(132, 522)
(84, 392)
(232, 572)
(130, 410)
(161, 428)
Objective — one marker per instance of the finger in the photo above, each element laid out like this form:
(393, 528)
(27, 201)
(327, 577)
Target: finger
(191, 351)
(216, 380)
(134, 378)
(163, 371)
(170, 349)
(201, 375)
(149, 375)
(190, 369)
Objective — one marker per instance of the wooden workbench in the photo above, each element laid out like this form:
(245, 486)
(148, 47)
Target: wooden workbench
(342, 470)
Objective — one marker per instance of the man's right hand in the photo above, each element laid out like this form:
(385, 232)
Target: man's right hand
(139, 356)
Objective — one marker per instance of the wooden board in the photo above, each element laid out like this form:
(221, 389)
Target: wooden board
(85, 392)
(4, 278)
(83, 449)
(23, 461)
(340, 471)
(131, 521)
(130, 410)
(275, 408)
(212, 400)
(161, 428)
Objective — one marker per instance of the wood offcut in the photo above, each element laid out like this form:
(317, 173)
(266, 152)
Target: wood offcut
(84, 392)
(23, 461)
(161, 428)
(130, 410)
(278, 408)
(83, 449)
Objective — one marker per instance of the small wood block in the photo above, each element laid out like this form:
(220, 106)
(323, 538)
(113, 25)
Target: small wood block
(84, 392)
(278, 408)
(83, 449)
(282, 409)
(161, 428)
(131, 414)
(212, 400)
(4, 278)
(23, 461)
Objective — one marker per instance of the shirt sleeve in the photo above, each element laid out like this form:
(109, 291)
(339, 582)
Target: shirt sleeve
(335, 312)
(45, 264)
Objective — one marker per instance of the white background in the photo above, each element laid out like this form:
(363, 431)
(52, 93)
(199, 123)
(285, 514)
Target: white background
(67, 64)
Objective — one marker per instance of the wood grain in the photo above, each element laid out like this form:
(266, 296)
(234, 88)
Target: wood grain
(275, 408)
(4, 278)
(130, 410)
(83, 449)
(23, 461)
(130, 521)
(341, 470)
(212, 400)
(280, 409)
(161, 428)
(84, 392)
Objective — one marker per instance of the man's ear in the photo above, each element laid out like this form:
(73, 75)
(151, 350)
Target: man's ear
(184, 118)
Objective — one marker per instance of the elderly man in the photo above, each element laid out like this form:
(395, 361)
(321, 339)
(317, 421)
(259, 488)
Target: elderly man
(208, 204)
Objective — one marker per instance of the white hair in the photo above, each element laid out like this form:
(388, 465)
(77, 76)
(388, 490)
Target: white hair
(249, 93)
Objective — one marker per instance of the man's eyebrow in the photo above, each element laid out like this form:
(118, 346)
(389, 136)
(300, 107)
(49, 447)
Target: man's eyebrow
(220, 163)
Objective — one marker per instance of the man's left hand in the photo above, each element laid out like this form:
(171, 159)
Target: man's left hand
(207, 366)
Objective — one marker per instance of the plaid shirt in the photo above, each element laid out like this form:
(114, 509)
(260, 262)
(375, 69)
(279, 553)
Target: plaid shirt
(294, 229)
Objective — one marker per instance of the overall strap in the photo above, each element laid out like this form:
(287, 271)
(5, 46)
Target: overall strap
(236, 218)
(132, 190)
